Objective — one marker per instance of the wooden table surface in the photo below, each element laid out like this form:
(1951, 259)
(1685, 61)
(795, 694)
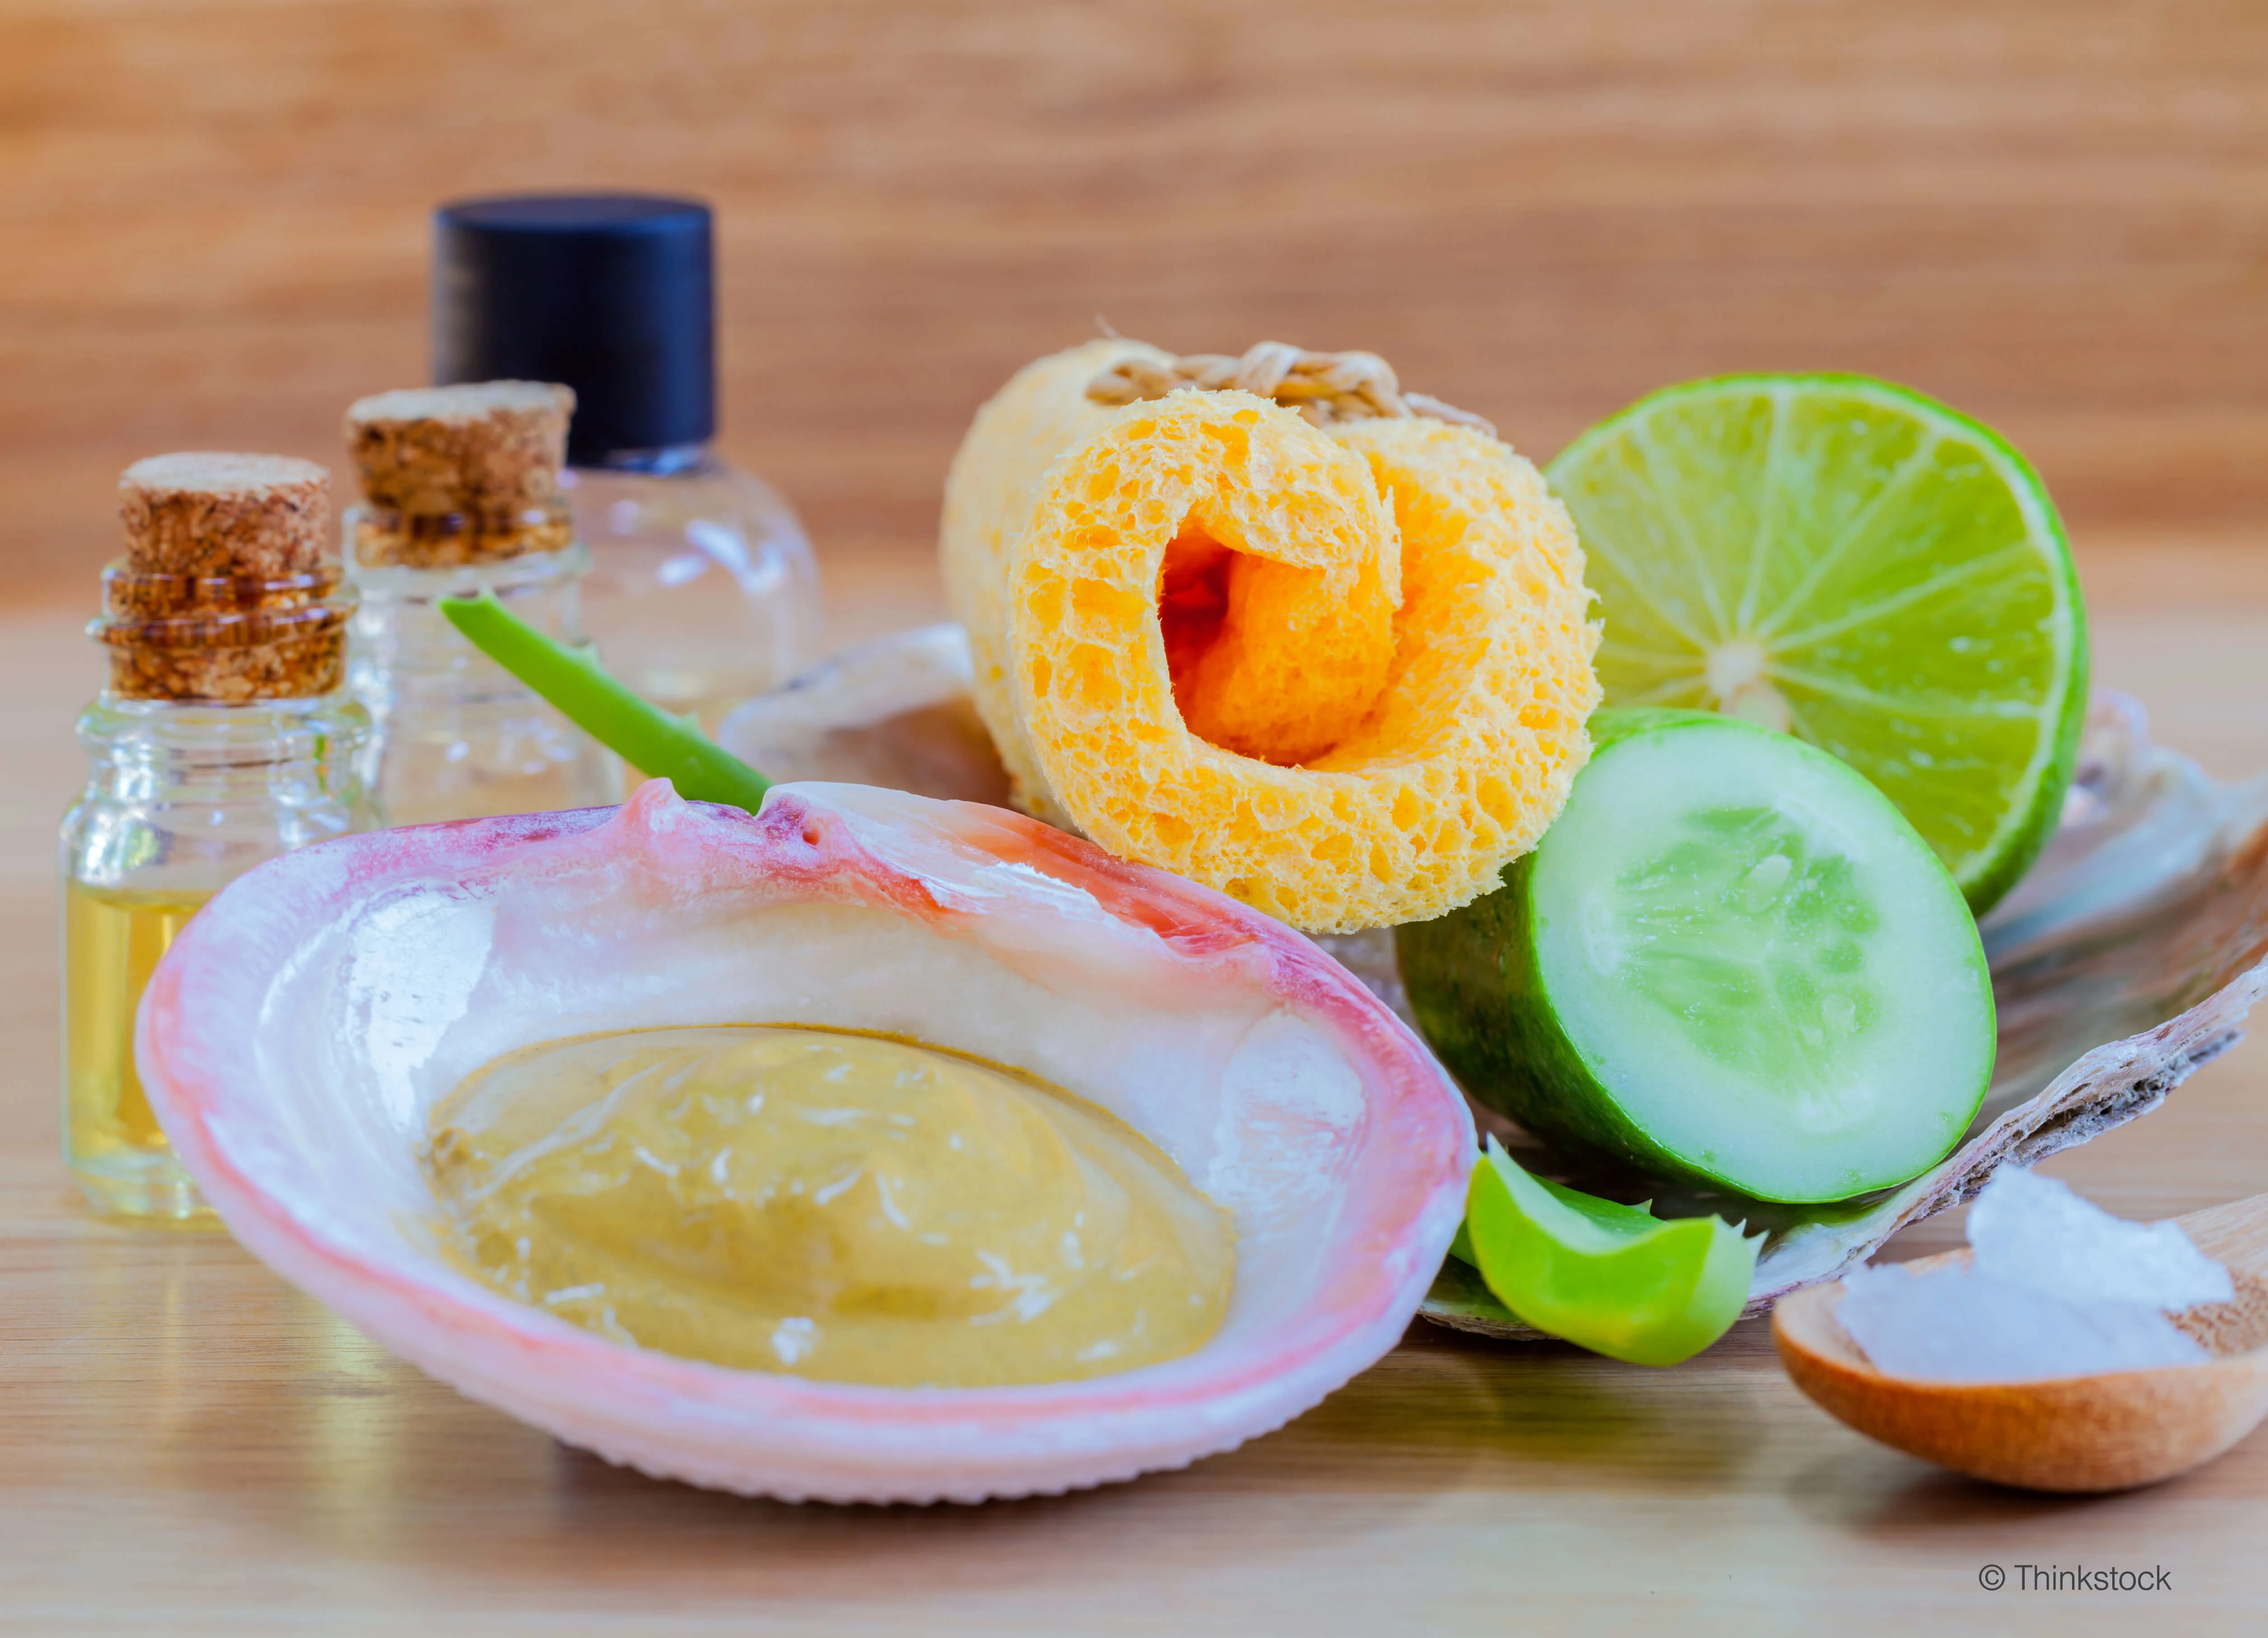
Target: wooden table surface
(187, 1444)
(212, 234)
(214, 214)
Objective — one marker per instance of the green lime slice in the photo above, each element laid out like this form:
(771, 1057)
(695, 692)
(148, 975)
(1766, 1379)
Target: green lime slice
(1859, 565)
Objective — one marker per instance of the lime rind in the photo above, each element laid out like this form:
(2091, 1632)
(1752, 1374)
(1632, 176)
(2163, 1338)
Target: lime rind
(1938, 642)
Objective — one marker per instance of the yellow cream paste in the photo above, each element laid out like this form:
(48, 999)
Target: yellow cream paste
(849, 1207)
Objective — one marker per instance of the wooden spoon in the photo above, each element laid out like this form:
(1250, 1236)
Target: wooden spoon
(2106, 1432)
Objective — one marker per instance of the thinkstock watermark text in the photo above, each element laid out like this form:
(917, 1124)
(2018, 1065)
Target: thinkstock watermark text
(2074, 1578)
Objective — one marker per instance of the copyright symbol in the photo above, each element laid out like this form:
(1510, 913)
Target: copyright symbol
(1991, 1578)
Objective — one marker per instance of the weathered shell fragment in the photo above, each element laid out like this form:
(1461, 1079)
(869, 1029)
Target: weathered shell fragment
(897, 713)
(2142, 927)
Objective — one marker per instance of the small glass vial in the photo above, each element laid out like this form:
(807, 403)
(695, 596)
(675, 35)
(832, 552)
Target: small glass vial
(223, 738)
(703, 589)
(703, 586)
(462, 487)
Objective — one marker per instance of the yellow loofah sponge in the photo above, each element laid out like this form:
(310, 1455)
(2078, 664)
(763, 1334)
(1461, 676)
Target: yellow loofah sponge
(1339, 672)
(1017, 436)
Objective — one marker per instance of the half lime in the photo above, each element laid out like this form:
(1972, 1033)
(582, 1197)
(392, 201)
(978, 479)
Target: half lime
(1859, 565)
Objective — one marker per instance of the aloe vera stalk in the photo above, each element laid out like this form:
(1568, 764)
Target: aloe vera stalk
(1611, 1278)
(653, 741)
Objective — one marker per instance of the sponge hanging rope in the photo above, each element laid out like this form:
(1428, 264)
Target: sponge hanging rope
(1334, 660)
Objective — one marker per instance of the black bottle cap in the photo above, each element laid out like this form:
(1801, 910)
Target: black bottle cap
(612, 294)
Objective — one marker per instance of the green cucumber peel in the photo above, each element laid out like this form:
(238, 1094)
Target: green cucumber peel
(1731, 966)
(655, 742)
(1611, 1278)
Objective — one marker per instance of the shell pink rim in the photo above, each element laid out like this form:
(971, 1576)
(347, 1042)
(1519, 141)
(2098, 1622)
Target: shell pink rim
(800, 846)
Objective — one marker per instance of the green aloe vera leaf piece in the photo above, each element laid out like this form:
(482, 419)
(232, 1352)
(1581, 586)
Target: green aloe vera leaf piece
(653, 741)
(1607, 1277)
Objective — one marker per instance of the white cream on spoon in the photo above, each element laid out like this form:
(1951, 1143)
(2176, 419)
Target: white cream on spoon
(2056, 1287)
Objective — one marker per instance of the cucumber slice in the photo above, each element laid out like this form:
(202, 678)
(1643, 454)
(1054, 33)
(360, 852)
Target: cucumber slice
(1731, 961)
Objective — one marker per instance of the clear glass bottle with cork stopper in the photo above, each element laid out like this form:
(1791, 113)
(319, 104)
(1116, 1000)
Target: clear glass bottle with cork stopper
(460, 493)
(224, 738)
(702, 590)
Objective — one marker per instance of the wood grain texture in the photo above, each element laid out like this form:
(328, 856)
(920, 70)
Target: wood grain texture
(214, 214)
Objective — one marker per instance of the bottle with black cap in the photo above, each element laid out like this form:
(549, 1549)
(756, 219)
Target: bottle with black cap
(702, 590)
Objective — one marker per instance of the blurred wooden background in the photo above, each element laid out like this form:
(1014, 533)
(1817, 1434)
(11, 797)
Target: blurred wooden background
(213, 218)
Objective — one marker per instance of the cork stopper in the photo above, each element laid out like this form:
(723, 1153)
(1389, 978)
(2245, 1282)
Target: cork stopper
(227, 592)
(208, 514)
(460, 474)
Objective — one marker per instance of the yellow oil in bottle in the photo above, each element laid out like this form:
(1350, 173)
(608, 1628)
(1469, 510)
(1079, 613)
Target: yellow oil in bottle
(112, 940)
